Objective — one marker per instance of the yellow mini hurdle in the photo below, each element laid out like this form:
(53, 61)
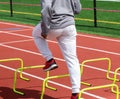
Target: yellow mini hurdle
(23, 78)
(99, 59)
(45, 81)
(20, 70)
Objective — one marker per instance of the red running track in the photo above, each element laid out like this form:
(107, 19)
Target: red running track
(16, 41)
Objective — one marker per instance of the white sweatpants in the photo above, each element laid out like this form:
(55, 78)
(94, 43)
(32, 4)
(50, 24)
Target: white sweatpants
(66, 38)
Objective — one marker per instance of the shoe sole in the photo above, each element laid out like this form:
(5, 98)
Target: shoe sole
(51, 68)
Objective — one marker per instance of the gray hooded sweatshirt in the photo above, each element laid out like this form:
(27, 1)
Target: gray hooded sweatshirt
(57, 14)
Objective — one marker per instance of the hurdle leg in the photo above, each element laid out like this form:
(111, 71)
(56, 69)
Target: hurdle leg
(108, 72)
(87, 84)
(28, 67)
(46, 81)
(114, 81)
(47, 75)
(20, 70)
(46, 84)
(43, 88)
(14, 83)
(21, 64)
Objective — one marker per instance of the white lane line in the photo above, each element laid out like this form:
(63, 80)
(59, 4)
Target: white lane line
(35, 53)
(18, 41)
(101, 38)
(88, 48)
(98, 50)
(90, 36)
(20, 25)
(16, 34)
(23, 50)
(19, 30)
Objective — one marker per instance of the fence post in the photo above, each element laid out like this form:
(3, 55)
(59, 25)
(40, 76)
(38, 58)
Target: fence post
(11, 8)
(95, 13)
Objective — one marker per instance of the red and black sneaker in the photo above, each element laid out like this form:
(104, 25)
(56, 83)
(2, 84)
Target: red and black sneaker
(74, 96)
(50, 65)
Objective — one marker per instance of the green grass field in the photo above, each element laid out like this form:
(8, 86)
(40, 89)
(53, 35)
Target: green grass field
(108, 15)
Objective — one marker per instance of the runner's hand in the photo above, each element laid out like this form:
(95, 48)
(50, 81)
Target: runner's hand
(44, 35)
